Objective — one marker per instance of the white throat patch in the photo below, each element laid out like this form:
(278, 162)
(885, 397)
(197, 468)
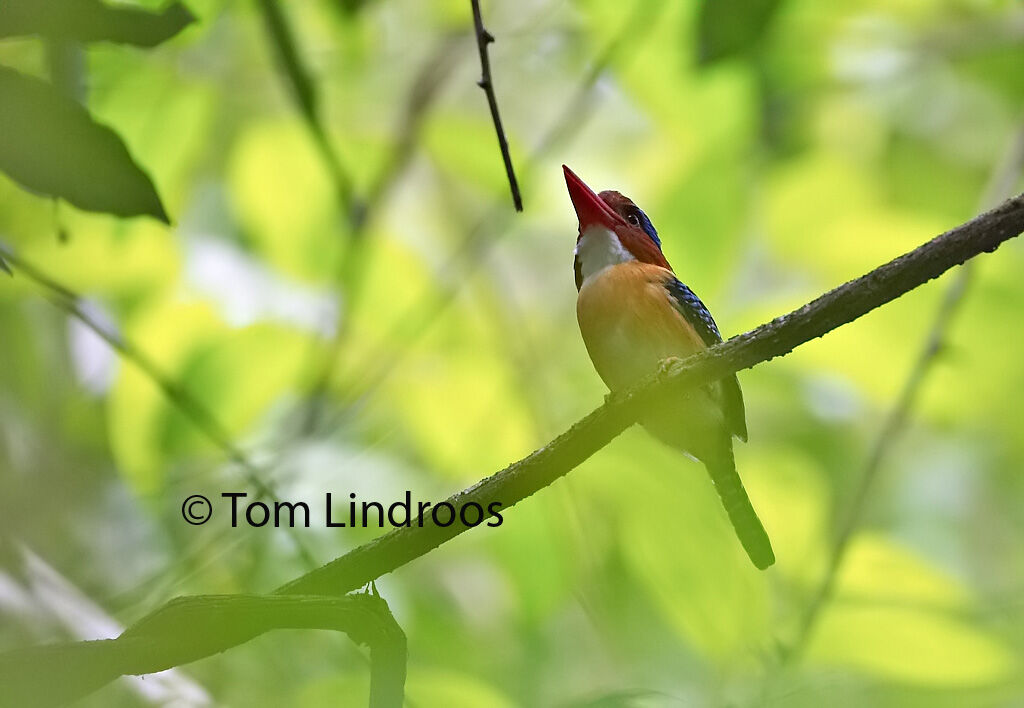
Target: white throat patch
(597, 249)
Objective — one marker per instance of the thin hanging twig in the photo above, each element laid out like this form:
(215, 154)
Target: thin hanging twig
(414, 324)
(486, 82)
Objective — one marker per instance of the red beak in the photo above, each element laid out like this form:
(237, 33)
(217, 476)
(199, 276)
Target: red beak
(590, 208)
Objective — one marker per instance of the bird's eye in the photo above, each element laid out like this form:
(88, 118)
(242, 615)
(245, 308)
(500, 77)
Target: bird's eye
(633, 218)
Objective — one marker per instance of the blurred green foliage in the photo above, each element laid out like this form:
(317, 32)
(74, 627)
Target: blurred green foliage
(779, 152)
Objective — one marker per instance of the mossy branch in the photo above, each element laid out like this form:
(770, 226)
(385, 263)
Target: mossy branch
(155, 637)
(776, 338)
(190, 628)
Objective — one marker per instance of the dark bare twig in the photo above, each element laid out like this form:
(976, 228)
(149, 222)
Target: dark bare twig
(1002, 183)
(191, 628)
(488, 230)
(519, 480)
(177, 395)
(486, 82)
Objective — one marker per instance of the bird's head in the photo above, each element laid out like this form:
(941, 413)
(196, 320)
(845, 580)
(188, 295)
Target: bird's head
(613, 230)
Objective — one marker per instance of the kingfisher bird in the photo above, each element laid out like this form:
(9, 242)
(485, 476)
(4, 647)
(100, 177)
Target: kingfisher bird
(635, 314)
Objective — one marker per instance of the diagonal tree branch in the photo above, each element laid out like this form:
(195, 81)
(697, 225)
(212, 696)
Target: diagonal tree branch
(191, 628)
(484, 38)
(776, 338)
(521, 479)
(1004, 179)
(193, 409)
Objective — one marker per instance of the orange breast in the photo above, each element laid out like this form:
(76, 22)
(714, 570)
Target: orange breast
(629, 324)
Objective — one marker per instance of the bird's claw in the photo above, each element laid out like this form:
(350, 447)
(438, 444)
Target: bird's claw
(666, 364)
(612, 397)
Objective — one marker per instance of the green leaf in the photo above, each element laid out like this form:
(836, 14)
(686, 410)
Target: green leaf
(899, 618)
(439, 687)
(282, 195)
(52, 146)
(92, 21)
(877, 570)
(911, 645)
(237, 374)
(729, 28)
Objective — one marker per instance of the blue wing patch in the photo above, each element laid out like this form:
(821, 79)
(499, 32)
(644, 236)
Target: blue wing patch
(691, 307)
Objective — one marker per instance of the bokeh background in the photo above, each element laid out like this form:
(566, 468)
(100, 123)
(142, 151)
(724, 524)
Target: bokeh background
(781, 147)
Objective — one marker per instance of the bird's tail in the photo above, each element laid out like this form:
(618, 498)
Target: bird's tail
(751, 533)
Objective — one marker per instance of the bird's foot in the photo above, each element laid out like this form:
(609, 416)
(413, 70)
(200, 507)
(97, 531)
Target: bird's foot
(614, 397)
(666, 364)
